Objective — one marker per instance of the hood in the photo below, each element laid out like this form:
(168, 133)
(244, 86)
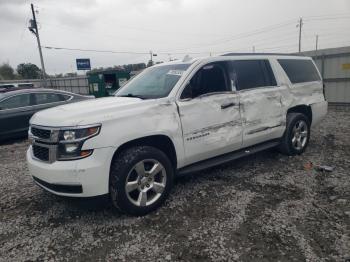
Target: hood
(87, 112)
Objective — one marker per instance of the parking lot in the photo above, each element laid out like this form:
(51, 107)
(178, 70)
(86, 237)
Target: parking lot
(266, 207)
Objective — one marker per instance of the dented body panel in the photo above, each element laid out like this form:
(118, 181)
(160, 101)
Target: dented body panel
(209, 130)
(199, 128)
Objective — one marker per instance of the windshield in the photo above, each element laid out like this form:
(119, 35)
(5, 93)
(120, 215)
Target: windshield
(155, 82)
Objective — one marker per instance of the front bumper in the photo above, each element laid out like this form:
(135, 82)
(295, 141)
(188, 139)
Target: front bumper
(86, 177)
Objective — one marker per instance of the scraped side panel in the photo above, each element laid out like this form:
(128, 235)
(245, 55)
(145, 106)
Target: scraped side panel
(263, 115)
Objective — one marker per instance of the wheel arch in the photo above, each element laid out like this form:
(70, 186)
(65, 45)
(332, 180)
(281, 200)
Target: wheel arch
(303, 109)
(161, 142)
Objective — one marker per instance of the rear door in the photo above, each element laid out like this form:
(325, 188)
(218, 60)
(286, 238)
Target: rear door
(15, 113)
(261, 107)
(209, 113)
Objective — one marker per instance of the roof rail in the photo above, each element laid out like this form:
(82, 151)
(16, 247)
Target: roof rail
(238, 54)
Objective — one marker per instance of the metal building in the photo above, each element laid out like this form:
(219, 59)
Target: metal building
(334, 65)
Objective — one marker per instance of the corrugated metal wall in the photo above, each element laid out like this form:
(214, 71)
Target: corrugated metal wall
(78, 84)
(334, 65)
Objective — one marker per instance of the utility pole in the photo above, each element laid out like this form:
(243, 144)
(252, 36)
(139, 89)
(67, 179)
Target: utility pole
(316, 42)
(34, 29)
(152, 55)
(300, 25)
(150, 52)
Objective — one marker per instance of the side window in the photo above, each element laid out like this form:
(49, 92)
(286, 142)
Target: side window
(252, 74)
(44, 98)
(63, 97)
(299, 70)
(15, 102)
(210, 78)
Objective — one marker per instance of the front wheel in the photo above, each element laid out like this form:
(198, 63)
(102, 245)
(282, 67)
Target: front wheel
(140, 180)
(297, 134)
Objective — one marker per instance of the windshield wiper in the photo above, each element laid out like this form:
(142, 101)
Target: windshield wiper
(131, 95)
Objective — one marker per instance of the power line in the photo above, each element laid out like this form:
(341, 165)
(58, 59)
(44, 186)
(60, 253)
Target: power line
(264, 30)
(117, 52)
(329, 18)
(242, 35)
(233, 37)
(95, 50)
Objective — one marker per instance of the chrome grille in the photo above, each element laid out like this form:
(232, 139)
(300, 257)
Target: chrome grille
(41, 133)
(41, 153)
(44, 143)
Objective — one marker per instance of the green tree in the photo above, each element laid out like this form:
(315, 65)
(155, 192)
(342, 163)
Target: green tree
(6, 72)
(28, 71)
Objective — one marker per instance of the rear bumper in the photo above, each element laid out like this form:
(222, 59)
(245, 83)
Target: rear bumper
(79, 178)
(319, 111)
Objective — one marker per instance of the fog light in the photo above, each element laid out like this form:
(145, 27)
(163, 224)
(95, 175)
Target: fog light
(70, 148)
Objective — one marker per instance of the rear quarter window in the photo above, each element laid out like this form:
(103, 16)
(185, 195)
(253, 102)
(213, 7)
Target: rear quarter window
(64, 97)
(45, 98)
(299, 70)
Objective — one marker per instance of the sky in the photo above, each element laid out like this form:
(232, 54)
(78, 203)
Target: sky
(169, 28)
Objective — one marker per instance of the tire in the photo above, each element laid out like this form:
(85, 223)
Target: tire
(134, 188)
(290, 146)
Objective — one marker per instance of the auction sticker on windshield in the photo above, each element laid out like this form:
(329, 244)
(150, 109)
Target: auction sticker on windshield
(176, 72)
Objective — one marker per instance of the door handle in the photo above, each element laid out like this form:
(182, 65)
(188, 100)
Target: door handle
(224, 106)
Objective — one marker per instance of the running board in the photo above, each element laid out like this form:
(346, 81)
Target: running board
(218, 160)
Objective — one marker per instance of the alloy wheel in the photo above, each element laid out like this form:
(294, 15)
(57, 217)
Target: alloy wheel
(299, 135)
(145, 182)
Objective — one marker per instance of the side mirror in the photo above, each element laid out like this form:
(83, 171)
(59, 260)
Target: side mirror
(187, 92)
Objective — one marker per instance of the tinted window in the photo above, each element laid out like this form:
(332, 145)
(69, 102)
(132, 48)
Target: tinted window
(64, 97)
(299, 71)
(252, 73)
(26, 85)
(16, 101)
(7, 86)
(44, 98)
(209, 79)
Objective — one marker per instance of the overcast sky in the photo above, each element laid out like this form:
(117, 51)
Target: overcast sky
(170, 28)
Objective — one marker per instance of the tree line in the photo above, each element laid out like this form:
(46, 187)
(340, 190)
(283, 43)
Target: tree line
(23, 71)
(32, 71)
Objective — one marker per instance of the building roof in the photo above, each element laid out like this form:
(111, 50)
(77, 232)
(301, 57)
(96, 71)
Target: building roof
(328, 51)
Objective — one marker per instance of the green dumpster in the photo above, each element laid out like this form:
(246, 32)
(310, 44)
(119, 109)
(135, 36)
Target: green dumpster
(105, 82)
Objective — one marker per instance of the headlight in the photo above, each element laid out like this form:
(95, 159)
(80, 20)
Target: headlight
(79, 133)
(71, 141)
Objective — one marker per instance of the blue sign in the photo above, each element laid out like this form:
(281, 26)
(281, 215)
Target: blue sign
(83, 64)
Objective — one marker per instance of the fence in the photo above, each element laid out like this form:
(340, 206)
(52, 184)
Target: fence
(334, 65)
(77, 84)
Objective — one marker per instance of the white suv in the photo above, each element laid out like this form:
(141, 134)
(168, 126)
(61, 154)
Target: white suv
(175, 118)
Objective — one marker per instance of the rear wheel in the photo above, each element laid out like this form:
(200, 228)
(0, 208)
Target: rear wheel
(297, 134)
(140, 180)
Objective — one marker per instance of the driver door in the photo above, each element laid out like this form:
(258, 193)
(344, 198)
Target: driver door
(209, 113)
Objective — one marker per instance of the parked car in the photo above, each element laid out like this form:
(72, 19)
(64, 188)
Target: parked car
(18, 105)
(16, 85)
(175, 118)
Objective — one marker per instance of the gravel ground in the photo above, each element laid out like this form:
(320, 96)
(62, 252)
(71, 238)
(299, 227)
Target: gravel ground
(267, 207)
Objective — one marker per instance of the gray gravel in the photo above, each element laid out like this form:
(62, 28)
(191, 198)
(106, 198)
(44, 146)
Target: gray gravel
(266, 207)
